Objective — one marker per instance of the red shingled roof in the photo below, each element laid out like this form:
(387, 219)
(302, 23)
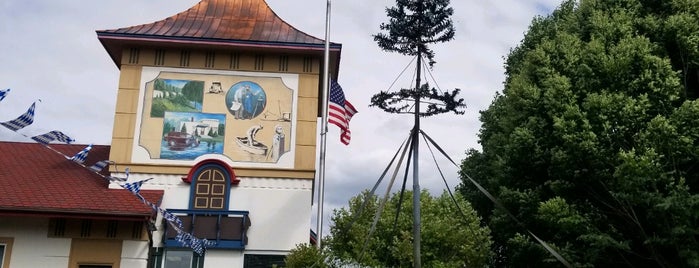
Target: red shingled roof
(216, 24)
(36, 181)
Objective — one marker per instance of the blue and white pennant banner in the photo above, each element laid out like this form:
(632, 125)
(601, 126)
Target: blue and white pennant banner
(21, 121)
(3, 93)
(82, 155)
(53, 136)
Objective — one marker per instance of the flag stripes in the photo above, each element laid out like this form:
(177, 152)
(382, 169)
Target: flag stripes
(340, 111)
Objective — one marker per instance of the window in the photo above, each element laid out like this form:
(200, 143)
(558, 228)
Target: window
(182, 259)
(210, 188)
(5, 251)
(2, 255)
(263, 261)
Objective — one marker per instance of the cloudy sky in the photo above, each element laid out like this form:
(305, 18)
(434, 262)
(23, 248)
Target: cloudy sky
(49, 51)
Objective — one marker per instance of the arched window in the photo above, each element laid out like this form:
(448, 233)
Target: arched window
(210, 187)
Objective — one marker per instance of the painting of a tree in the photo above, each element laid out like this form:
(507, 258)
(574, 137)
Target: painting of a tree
(176, 96)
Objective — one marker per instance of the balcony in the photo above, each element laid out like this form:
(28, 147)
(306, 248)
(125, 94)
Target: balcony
(227, 228)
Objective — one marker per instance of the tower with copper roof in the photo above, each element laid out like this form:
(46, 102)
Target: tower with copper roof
(219, 105)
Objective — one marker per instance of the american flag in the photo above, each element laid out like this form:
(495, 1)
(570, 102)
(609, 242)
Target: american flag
(340, 111)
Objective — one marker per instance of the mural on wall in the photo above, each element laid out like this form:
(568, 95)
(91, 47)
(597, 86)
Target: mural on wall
(176, 96)
(188, 135)
(245, 118)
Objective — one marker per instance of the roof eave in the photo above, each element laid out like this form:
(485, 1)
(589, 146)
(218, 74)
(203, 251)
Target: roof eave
(75, 214)
(114, 43)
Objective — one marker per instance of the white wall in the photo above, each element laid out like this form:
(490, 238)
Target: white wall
(32, 247)
(223, 258)
(280, 209)
(134, 254)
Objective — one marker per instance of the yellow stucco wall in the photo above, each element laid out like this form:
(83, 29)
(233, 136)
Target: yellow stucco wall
(126, 113)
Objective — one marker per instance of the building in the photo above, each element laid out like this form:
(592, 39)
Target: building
(217, 108)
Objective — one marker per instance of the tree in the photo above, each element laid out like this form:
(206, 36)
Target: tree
(305, 255)
(193, 90)
(593, 143)
(449, 238)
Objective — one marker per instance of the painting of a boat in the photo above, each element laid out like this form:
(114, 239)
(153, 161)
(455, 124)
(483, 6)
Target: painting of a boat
(249, 144)
(254, 148)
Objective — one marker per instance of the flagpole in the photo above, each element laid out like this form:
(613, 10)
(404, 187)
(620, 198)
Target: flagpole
(323, 129)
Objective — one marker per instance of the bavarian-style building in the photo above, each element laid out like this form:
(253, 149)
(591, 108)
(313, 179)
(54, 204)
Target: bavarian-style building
(219, 106)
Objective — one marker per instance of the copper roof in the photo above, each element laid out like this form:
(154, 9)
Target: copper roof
(217, 23)
(35, 181)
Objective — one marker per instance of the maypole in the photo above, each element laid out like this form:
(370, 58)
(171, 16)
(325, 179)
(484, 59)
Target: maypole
(413, 25)
(416, 180)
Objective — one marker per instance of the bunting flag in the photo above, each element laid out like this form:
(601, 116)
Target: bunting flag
(185, 239)
(82, 155)
(21, 121)
(51, 136)
(99, 166)
(197, 245)
(3, 93)
(135, 187)
(113, 178)
(171, 218)
(340, 111)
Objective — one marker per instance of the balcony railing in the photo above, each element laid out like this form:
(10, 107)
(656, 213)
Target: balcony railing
(227, 228)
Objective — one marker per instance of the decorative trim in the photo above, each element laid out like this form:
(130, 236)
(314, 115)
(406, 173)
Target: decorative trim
(259, 62)
(159, 57)
(284, 63)
(134, 54)
(308, 64)
(210, 59)
(235, 61)
(163, 182)
(184, 58)
(227, 168)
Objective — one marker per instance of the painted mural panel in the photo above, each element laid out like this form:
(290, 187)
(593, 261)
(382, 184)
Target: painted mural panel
(243, 117)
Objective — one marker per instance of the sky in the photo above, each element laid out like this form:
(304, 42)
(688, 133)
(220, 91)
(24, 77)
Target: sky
(49, 51)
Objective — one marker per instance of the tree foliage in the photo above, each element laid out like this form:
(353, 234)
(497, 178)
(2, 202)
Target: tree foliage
(594, 141)
(413, 26)
(448, 238)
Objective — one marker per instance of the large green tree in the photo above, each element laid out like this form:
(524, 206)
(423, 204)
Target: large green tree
(593, 143)
(449, 239)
